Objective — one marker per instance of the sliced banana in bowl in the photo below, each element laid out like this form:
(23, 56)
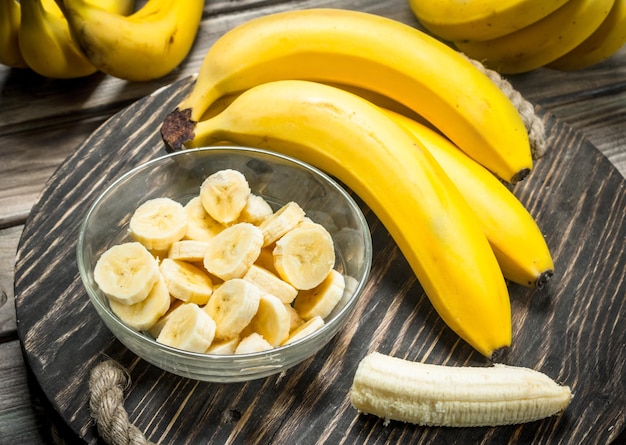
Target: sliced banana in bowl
(244, 269)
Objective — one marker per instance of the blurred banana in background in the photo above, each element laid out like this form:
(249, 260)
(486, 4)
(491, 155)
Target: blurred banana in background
(516, 36)
(10, 18)
(65, 39)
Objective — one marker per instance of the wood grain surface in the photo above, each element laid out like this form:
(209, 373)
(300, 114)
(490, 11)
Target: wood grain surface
(573, 330)
(42, 121)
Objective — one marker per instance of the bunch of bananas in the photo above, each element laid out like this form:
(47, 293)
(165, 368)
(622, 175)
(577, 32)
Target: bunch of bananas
(515, 36)
(303, 83)
(65, 39)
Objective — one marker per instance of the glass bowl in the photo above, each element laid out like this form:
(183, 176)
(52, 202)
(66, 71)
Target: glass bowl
(277, 178)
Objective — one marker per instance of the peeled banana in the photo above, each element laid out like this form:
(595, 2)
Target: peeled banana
(145, 45)
(514, 235)
(435, 395)
(370, 52)
(542, 42)
(396, 177)
(480, 20)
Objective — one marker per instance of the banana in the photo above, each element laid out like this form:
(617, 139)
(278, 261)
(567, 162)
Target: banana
(126, 273)
(46, 43)
(270, 283)
(189, 328)
(543, 41)
(606, 40)
(224, 194)
(232, 306)
(437, 395)
(252, 343)
(156, 328)
(370, 52)
(200, 225)
(186, 281)
(304, 256)
(515, 238)
(256, 210)
(158, 223)
(294, 318)
(281, 222)
(145, 314)
(322, 299)
(480, 20)
(224, 347)
(272, 320)
(188, 250)
(231, 253)
(145, 45)
(305, 329)
(354, 141)
(10, 18)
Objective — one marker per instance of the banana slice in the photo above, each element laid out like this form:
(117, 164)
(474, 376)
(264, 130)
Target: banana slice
(232, 306)
(224, 347)
(252, 343)
(224, 194)
(256, 210)
(186, 282)
(304, 256)
(126, 273)
(294, 318)
(270, 283)
(155, 330)
(322, 299)
(272, 320)
(231, 253)
(145, 314)
(189, 328)
(158, 222)
(306, 328)
(188, 250)
(266, 259)
(281, 222)
(200, 225)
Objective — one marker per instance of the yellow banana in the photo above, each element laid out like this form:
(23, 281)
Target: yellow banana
(541, 42)
(10, 54)
(371, 52)
(47, 45)
(516, 239)
(599, 46)
(356, 142)
(145, 45)
(480, 20)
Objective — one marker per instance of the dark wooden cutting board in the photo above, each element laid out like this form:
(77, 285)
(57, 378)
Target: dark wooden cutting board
(574, 330)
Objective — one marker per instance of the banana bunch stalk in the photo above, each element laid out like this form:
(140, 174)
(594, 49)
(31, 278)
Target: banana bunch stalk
(514, 36)
(282, 82)
(75, 38)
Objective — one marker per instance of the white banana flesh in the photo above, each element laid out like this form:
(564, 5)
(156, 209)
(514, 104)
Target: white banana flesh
(200, 225)
(145, 314)
(158, 223)
(281, 222)
(224, 195)
(322, 299)
(188, 328)
(435, 395)
(186, 282)
(304, 256)
(270, 283)
(126, 273)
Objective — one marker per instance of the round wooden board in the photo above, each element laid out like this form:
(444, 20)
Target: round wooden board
(573, 330)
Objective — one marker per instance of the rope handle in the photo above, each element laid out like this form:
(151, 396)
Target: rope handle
(109, 379)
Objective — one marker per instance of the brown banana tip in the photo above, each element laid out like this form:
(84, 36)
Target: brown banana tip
(543, 278)
(520, 175)
(177, 128)
(499, 355)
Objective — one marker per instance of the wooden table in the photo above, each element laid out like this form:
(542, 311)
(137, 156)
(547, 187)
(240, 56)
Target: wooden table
(43, 121)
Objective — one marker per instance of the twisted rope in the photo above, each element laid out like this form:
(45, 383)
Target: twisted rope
(107, 383)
